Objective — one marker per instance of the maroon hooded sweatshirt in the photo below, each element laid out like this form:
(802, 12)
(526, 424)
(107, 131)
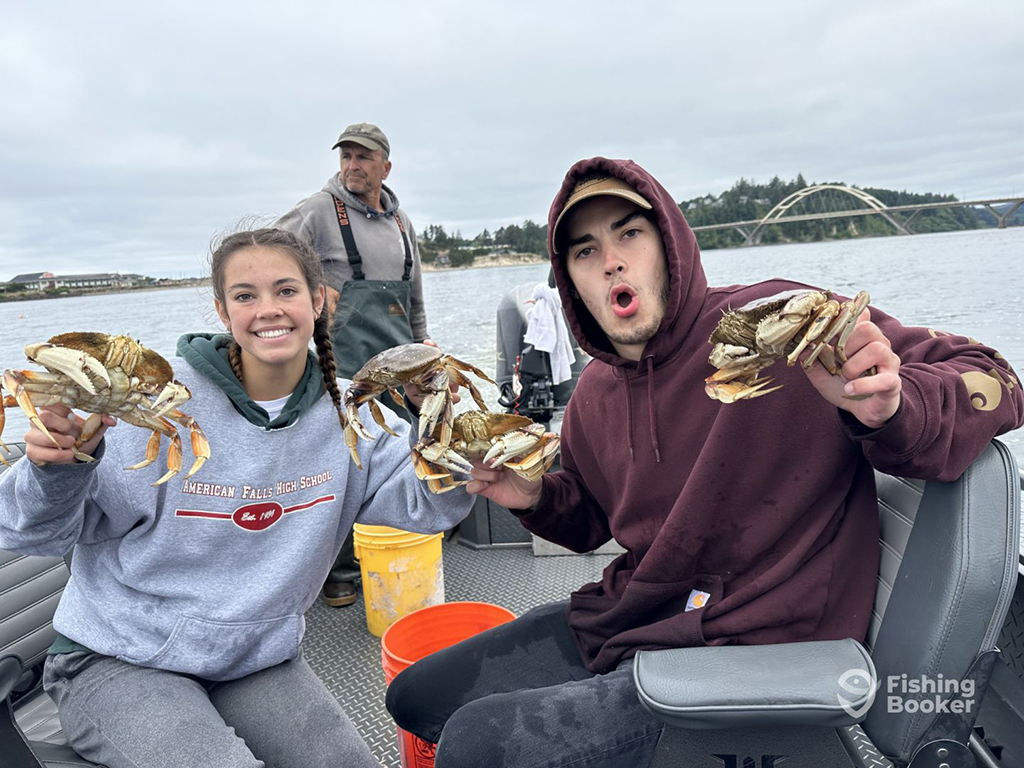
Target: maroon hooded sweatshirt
(769, 505)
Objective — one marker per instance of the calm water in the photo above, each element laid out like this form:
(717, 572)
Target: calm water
(966, 282)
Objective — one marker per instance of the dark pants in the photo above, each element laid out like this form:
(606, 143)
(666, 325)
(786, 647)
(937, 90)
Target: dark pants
(519, 695)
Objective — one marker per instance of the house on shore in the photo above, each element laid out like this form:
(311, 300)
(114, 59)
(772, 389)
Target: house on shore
(47, 281)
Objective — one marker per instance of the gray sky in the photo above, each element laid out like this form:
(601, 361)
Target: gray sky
(132, 133)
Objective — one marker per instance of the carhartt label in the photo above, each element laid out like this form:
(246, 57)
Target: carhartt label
(396, 309)
(697, 599)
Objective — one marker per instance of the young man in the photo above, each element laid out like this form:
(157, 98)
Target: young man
(742, 524)
(372, 263)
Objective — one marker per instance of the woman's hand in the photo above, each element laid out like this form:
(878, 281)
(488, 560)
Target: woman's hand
(877, 395)
(66, 427)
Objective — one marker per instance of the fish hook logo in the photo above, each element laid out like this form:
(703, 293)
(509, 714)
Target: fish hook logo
(857, 682)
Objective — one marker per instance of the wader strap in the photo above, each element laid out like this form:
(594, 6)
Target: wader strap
(354, 260)
(405, 242)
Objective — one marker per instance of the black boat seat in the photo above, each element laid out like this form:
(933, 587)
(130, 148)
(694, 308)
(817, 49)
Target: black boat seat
(30, 731)
(949, 564)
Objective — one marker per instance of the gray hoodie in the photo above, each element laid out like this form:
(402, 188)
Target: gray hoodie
(211, 575)
(377, 236)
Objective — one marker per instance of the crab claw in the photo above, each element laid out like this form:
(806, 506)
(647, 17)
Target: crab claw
(174, 394)
(513, 444)
(442, 455)
(538, 461)
(81, 367)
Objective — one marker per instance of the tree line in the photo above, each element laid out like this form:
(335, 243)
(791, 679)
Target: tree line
(529, 237)
(746, 200)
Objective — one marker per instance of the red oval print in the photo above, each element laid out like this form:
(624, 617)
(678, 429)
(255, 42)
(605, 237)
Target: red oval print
(259, 516)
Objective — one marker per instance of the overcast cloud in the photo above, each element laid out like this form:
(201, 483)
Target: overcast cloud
(131, 133)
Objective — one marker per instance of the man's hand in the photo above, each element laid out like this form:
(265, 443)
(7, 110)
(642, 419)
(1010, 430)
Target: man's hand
(505, 487)
(65, 427)
(867, 347)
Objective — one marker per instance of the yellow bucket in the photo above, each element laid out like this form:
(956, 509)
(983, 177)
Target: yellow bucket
(402, 572)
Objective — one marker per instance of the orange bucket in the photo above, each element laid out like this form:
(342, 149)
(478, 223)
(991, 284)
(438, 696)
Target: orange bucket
(419, 634)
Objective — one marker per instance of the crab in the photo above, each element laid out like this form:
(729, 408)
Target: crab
(749, 339)
(115, 375)
(497, 439)
(421, 365)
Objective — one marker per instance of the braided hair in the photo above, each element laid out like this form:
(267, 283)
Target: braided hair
(312, 271)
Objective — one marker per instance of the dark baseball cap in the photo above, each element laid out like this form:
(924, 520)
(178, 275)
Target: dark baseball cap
(366, 135)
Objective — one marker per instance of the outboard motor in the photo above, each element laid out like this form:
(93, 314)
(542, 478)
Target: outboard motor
(523, 372)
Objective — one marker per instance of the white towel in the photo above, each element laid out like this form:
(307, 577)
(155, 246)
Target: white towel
(546, 330)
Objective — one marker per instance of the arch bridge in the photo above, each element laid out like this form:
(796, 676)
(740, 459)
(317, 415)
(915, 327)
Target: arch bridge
(753, 230)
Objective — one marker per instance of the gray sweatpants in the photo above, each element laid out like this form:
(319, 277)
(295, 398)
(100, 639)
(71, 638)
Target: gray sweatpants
(124, 716)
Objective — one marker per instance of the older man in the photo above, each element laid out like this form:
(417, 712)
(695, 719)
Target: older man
(368, 249)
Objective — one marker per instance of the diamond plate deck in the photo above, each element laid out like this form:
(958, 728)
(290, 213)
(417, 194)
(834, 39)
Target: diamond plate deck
(346, 656)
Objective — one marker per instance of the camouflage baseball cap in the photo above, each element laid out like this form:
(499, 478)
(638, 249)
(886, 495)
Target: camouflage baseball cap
(367, 135)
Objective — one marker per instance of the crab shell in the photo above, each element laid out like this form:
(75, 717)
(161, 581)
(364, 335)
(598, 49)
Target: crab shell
(396, 365)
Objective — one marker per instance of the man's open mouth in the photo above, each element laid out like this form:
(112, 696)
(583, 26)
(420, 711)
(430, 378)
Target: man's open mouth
(624, 300)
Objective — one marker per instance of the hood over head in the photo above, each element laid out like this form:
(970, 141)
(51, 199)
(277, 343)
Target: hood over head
(687, 283)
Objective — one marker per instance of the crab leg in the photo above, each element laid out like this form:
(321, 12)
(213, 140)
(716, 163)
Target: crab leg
(353, 399)
(451, 362)
(161, 426)
(197, 438)
(397, 397)
(3, 420)
(378, 416)
(173, 459)
(857, 305)
(152, 451)
(15, 382)
(728, 386)
(821, 321)
(463, 381)
(352, 440)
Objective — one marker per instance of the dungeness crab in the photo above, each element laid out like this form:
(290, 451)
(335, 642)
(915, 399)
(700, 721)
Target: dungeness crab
(499, 439)
(423, 366)
(101, 374)
(749, 339)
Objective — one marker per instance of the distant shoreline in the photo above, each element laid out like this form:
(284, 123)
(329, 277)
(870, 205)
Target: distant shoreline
(518, 260)
(75, 292)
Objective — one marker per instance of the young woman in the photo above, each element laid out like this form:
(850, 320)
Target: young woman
(180, 629)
